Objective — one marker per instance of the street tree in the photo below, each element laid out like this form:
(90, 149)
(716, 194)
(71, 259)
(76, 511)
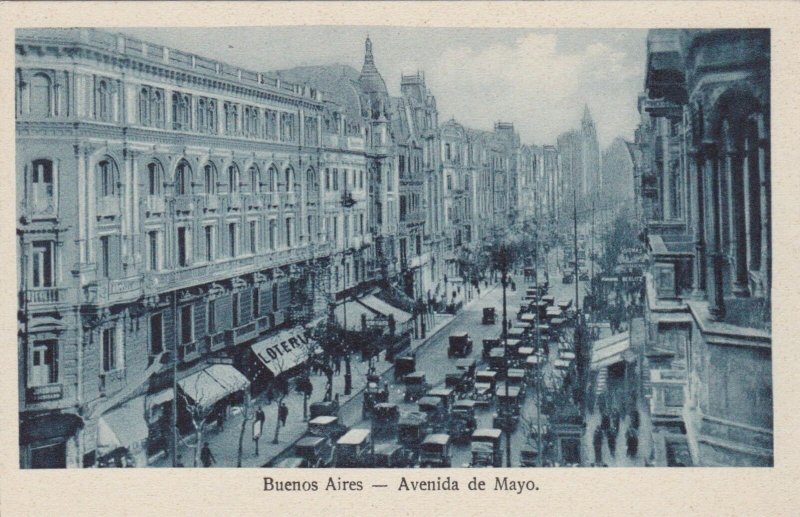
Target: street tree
(201, 409)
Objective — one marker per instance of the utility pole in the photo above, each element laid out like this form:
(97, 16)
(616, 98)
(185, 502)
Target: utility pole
(575, 244)
(506, 415)
(536, 349)
(175, 379)
(591, 261)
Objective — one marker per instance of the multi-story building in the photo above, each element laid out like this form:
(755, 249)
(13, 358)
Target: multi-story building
(580, 161)
(703, 159)
(167, 202)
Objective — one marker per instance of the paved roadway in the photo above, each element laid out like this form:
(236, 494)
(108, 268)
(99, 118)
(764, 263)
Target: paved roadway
(433, 361)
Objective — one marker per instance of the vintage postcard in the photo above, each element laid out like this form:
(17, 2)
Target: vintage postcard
(357, 244)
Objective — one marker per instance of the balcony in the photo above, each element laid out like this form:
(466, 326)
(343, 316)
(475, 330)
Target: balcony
(35, 394)
(154, 205)
(234, 201)
(107, 206)
(47, 295)
(210, 203)
(245, 333)
(219, 341)
(254, 201)
(158, 281)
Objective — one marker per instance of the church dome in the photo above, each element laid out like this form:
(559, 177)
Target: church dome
(370, 79)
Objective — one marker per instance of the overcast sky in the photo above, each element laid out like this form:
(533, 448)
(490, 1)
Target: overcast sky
(537, 79)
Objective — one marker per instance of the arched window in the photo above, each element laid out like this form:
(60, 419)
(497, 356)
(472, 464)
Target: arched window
(154, 178)
(233, 179)
(255, 179)
(201, 115)
(103, 100)
(157, 108)
(42, 186)
(41, 96)
(181, 115)
(289, 179)
(272, 179)
(107, 178)
(211, 118)
(311, 180)
(183, 179)
(144, 107)
(210, 178)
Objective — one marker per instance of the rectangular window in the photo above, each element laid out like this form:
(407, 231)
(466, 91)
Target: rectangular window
(288, 232)
(419, 244)
(152, 251)
(361, 224)
(274, 297)
(253, 237)
(209, 242)
(361, 180)
(272, 234)
(156, 334)
(309, 223)
(104, 257)
(335, 229)
(44, 363)
(232, 239)
(255, 304)
(335, 179)
(109, 349)
(187, 324)
(211, 319)
(182, 257)
(235, 309)
(327, 179)
(42, 264)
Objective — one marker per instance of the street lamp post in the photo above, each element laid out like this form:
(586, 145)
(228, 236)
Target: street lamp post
(506, 420)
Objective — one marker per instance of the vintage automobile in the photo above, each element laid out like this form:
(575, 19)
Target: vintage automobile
(584, 275)
(447, 395)
(403, 365)
(488, 316)
(435, 451)
(513, 343)
(416, 386)
(390, 456)
(326, 426)
(459, 345)
(516, 377)
(550, 299)
(316, 450)
(467, 366)
(374, 393)
(456, 382)
(434, 409)
(462, 419)
(323, 408)
(485, 381)
(497, 361)
(508, 407)
(385, 416)
(485, 448)
(411, 430)
(567, 278)
(292, 462)
(565, 305)
(488, 345)
(553, 312)
(522, 355)
(354, 449)
(528, 317)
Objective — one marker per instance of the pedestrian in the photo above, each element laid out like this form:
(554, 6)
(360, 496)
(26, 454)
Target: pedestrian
(179, 461)
(632, 442)
(258, 426)
(612, 441)
(605, 422)
(206, 457)
(220, 418)
(338, 365)
(598, 445)
(615, 421)
(283, 413)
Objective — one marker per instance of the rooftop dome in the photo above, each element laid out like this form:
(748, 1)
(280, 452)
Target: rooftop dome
(370, 79)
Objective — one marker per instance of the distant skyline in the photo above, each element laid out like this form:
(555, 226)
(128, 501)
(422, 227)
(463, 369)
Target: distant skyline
(539, 79)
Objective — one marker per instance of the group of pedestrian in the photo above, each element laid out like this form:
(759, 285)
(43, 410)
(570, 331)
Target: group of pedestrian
(609, 429)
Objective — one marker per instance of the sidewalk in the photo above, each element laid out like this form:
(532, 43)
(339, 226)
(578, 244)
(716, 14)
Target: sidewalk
(224, 444)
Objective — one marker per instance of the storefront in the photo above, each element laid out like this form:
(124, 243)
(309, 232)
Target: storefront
(403, 320)
(122, 435)
(282, 353)
(210, 392)
(49, 441)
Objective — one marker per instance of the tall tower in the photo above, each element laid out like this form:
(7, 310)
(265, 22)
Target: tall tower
(590, 175)
(373, 87)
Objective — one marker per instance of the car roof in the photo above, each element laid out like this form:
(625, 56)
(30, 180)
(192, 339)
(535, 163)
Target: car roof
(490, 373)
(464, 403)
(439, 439)
(387, 448)
(354, 437)
(326, 419)
(435, 392)
(413, 417)
(516, 372)
(487, 433)
(426, 400)
(385, 405)
(459, 334)
(513, 391)
(414, 375)
(309, 441)
(464, 362)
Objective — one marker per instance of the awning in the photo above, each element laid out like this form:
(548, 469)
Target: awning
(159, 398)
(215, 382)
(61, 425)
(373, 302)
(123, 426)
(610, 350)
(353, 311)
(286, 349)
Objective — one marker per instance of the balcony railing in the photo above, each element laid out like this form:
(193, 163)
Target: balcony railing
(154, 204)
(44, 393)
(184, 203)
(47, 295)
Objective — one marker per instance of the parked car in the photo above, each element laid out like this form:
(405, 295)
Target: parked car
(435, 451)
(488, 316)
(416, 386)
(316, 450)
(354, 449)
(390, 456)
(485, 448)
(459, 345)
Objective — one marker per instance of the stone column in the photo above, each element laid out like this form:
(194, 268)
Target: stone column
(764, 204)
(716, 304)
(736, 205)
(698, 216)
